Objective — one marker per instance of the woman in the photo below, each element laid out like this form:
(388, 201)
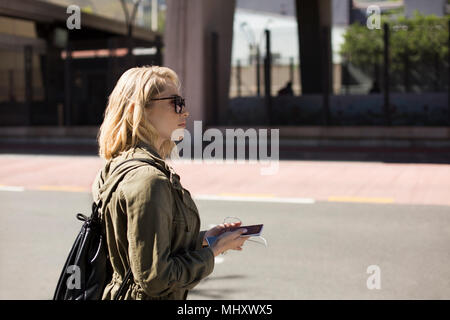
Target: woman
(152, 223)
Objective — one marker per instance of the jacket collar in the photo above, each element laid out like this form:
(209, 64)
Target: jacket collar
(174, 177)
(150, 149)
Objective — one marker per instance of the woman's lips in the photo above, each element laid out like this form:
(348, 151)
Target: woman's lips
(182, 125)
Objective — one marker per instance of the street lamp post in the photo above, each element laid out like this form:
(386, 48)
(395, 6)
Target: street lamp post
(254, 49)
(129, 20)
(258, 76)
(268, 77)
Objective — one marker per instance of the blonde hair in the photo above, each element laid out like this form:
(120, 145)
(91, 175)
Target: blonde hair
(125, 124)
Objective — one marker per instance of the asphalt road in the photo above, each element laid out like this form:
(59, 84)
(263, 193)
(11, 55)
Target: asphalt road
(317, 250)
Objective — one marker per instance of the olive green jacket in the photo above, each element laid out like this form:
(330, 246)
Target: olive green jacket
(151, 227)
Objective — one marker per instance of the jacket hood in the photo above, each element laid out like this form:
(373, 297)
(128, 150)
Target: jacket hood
(108, 177)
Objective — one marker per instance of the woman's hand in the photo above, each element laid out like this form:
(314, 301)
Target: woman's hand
(218, 230)
(229, 240)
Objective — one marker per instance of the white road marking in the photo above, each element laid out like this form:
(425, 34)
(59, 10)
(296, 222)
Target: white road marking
(253, 199)
(11, 188)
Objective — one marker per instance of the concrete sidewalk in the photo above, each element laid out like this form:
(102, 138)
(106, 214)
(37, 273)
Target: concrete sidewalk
(336, 181)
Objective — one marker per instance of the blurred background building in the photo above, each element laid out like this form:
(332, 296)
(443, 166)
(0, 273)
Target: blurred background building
(415, 84)
(53, 76)
(290, 64)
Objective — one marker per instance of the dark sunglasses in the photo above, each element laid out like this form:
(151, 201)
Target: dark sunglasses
(177, 101)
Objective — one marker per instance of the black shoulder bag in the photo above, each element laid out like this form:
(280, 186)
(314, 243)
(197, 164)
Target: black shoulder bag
(87, 269)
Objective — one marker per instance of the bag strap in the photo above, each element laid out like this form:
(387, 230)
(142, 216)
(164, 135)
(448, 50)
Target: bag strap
(124, 284)
(149, 161)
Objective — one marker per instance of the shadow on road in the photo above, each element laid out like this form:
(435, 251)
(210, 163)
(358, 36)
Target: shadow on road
(221, 293)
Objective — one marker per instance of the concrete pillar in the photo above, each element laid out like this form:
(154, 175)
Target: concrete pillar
(188, 50)
(314, 28)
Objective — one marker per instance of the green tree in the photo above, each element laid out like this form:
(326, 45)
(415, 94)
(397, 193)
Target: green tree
(419, 40)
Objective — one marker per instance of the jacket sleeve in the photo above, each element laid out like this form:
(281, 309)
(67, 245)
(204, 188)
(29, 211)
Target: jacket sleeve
(149, 215)
(200, 237)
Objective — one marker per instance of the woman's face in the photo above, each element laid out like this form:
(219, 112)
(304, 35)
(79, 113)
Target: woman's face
(161, 114)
